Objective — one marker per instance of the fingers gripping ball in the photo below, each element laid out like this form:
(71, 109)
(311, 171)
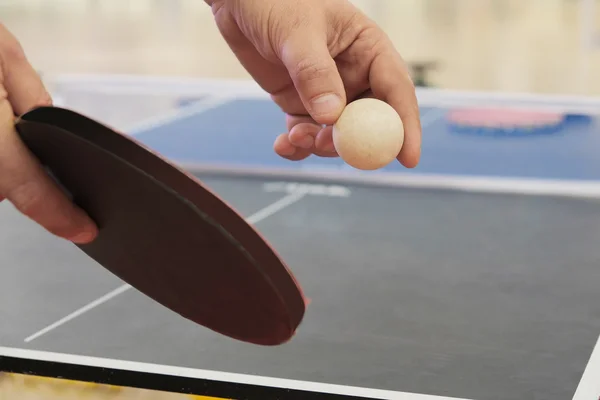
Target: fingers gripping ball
(369, 134)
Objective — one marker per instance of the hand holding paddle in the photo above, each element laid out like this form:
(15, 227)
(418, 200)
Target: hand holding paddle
(22, 180)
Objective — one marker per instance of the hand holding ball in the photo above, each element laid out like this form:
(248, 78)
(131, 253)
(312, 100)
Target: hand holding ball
(369, 134)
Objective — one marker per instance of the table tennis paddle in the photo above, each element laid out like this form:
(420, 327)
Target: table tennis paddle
(166, 234)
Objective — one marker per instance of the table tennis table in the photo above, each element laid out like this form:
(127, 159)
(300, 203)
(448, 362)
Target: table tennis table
(475, 276)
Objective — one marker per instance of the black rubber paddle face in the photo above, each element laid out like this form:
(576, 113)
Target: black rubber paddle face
(165, 234)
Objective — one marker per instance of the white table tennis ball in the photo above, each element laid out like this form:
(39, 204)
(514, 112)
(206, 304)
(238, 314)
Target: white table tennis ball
(369, 134)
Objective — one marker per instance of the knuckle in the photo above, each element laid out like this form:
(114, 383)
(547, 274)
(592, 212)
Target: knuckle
(282, 101)
(309, 69)
(34, 201)
(11, 50)
(347, 28)
(29, 198)
(227, 26)
(5, 107)
(288, 101)
(45, 99)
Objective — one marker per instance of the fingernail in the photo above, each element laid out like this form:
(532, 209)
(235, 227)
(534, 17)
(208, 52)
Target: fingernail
(326, 105)
(84, 237)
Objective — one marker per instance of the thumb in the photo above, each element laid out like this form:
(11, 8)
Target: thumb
(315, 75)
